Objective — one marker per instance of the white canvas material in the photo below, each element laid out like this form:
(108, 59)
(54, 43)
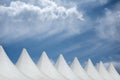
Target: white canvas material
(92, 72)
(45, 65)
(8, 69)
(103, 72)
(78, 70)
(64, 69)
(112, 71)
(26, 69)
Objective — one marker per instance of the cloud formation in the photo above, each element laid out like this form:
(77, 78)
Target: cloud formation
(109, 25)
(89, 28)
(47, 10)
(43, 18)
(22, 20)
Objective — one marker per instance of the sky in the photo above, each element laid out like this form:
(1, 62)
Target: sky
(75, 28)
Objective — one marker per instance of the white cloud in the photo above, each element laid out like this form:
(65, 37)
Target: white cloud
(72, 48)
(49, 10)
(23, 20)
(82, 3)
(109, 25)
(42, 18)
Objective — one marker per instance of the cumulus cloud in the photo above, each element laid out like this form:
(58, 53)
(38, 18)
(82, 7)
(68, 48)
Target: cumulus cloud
(48, 10)
(21, 20)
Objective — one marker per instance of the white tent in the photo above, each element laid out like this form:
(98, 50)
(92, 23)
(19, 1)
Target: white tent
(3, 78)
(103, 72)
(45, 65)
(78, 70)
(44, 70)
(8, 69)
(28, 68)
(112, 71)
(92, 72)
(64, 69)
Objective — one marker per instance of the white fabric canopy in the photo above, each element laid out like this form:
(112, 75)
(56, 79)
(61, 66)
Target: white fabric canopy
(26, 69)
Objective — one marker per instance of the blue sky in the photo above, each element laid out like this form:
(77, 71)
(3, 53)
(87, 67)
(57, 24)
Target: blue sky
(81, 28)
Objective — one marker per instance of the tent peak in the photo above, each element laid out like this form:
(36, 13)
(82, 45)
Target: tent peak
(76, 59)
(44, 53)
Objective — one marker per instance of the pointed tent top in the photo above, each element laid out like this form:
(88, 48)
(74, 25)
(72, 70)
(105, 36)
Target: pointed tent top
(78, 70)
(89, 64)
(64, 69)
(43, 64)
(24, 50)
(61, 57)
(75, 62)
(91, 69)
(60, 60)
(24, 57)
(100, 66)
(24, 54)
(103, 72)
(101, 63)
(3, 54)
(44, 54)
(89, 60)
(113, 72)
(8, 69)
(76, 59)
(1, 49)
(26, 65)
(111, 67)
(44, 58)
